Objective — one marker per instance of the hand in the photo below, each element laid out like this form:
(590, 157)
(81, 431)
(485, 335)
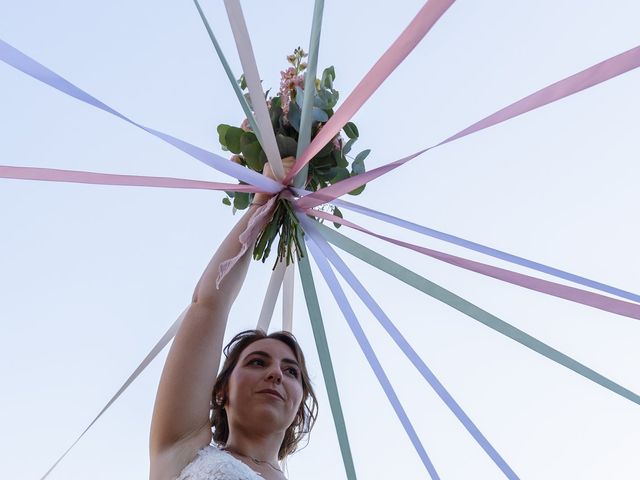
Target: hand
(287, 163)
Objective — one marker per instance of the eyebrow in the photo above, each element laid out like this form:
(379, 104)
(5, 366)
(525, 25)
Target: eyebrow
(265, 354)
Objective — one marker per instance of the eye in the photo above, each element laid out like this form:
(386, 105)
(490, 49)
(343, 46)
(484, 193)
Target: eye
(256, 361)
(292, 371)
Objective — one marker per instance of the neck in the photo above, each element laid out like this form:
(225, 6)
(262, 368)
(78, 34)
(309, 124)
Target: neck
(263, 447)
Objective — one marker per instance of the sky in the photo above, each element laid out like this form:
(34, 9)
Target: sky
(92, 276)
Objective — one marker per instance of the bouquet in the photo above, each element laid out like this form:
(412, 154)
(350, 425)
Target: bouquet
(330, 165)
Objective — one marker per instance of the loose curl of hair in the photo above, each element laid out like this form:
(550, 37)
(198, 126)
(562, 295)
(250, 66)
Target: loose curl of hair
(307, 413)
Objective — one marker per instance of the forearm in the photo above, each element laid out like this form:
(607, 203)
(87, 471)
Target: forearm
(182, 402)
(206, 293)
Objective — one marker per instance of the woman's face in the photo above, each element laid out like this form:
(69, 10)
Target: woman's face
(265, 387)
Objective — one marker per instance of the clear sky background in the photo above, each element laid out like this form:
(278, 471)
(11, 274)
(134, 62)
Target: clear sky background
(90, 276)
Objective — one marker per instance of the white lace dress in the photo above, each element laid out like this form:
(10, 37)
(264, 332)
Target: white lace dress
(211, 463)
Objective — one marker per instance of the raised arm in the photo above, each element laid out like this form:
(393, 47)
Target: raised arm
(180, 423)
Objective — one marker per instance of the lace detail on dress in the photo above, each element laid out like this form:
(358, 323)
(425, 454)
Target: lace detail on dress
(211, 463)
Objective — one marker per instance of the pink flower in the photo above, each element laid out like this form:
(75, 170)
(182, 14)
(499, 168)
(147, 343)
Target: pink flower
(245, 125)
(288, 83)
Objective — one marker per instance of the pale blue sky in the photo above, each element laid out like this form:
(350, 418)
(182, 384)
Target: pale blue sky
(90, 277)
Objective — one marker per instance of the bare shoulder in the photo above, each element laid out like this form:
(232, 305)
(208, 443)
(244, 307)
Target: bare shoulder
(168, 462)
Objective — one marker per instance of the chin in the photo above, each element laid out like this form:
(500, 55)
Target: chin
(266, 417)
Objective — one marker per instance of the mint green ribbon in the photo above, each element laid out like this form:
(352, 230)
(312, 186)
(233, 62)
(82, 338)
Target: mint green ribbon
(304, 137)
(439, 293)
(232, 79)
(320, 337)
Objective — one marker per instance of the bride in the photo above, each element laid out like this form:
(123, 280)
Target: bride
(240, 423)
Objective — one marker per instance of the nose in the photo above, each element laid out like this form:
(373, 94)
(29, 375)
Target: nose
(275, 376)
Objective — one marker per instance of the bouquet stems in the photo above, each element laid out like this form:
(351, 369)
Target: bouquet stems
(284, 224)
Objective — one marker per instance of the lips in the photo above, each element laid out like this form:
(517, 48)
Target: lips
(271, 391)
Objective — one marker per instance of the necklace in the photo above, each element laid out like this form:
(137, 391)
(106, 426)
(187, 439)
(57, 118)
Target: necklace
(255, 460)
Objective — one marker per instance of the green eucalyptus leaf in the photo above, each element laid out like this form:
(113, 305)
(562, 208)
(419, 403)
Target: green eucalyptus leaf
(326, 150)
(337, 213)
(346, 148)
(351, 130)
(320, 99)
(358, 190)
(340, 159)
(357, 167)
(275, 112)
(335, 96)
(326, 99)
(247, 97)
(226, 201)
(243, 82)
(339, 173)
(326, 161)
(294, 116)
(262, 159)
(232, 139)
(222, 131)
(328, 76)
(319, 115)
(241, 200)
(252, 155)
(299, 96)
(286, 145)
(247, 137)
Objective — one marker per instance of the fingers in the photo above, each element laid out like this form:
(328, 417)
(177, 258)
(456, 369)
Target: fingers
(287, 164)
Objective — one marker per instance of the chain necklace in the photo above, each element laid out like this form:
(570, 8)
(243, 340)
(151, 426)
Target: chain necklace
(255, 460)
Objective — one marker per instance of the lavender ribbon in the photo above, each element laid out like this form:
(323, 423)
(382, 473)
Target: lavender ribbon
(406, 348)
(370, 355)
(14, 57)
(540, 267)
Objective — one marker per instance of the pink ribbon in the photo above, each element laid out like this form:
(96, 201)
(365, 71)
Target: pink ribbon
(248, 237)
(573, 294)
(76, 176)
(395, 54)
(593, 75)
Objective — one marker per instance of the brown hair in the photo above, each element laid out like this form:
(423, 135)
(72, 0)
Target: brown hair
(307, 413)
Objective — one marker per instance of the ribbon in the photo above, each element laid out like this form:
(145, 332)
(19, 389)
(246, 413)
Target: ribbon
(320, 337)
(76, 176)
(287, 298)
(304, 135)
(252, 77)
(589, 77)
(395, 54)
(487, 250)
(29, 66)
(439, 293)
(595, 300)
(232, 78)
(328, 194)
(166, 338)
(408, 351)
(248, 237)
(270, 297)
(366, 348)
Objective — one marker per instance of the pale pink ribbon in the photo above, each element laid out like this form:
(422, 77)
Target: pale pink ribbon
(573, 294)
(78, 176)
(248, 237)
(424, 20)
(587, 78)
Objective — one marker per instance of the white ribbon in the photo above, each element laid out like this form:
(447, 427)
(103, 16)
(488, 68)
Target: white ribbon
(252, 77)
(166, 338)
(287, 299)
(270, 297)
